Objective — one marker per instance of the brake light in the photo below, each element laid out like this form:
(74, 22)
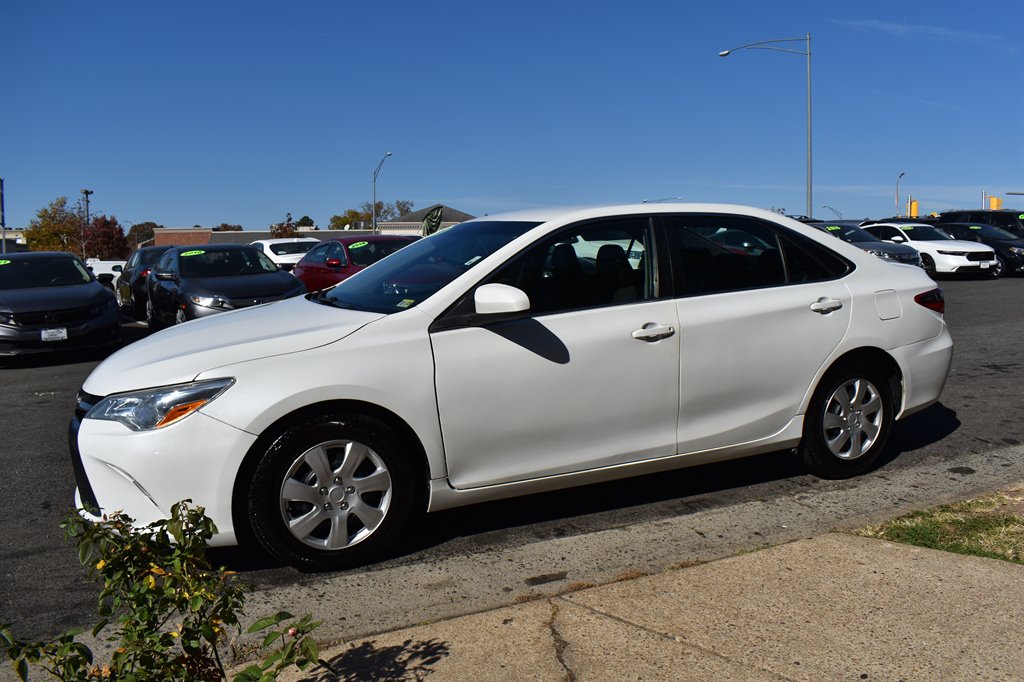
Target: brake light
(932, 300)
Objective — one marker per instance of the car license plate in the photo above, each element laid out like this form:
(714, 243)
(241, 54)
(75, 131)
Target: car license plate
(57, 334)
(984, 266)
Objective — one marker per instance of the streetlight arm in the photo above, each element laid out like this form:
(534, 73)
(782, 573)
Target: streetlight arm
(756, 46)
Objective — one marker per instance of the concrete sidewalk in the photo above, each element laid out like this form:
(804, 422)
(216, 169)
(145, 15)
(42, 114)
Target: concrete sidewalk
(833, 607)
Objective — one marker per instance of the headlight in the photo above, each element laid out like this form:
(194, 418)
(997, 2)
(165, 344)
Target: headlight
(7, 319)
(1015, 250)
(214, 301)
(105, 307)
(882, 254)
(158, 407)
(962, 254)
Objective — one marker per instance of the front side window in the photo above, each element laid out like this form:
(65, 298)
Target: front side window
(595, 264)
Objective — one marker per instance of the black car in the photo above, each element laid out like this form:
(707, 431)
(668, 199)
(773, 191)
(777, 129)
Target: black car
(130, 286)
(1011, 220)
(50, 301)
(1009, 247)
(195, 281)
(848, 231)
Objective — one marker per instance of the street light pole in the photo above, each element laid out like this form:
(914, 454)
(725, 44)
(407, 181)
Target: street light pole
(373, 208)
(85, 193)
(3, 221)
(897, 203)
(767, 45)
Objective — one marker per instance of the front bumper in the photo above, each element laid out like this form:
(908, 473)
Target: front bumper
(143, 473)
(961, 265)
(98, 332)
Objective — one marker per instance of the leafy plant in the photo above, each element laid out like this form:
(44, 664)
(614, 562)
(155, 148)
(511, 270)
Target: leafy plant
(170, 610)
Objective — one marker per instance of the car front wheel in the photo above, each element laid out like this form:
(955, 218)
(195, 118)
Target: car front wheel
(151, 320)
(333, 491)
(847, 423)
(928, 264)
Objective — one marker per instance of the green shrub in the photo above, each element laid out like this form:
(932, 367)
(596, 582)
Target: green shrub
(168, 609)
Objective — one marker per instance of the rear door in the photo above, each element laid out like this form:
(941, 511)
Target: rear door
(760, 310)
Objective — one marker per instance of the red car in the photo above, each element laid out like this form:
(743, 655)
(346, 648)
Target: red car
(340, 258)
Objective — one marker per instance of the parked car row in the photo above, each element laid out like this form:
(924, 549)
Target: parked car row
(508, 355)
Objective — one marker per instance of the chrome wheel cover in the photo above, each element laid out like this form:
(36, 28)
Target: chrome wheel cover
(853, 419)
(335, 494)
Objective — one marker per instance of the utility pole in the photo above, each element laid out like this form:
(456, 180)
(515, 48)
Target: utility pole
(85, 193)
(3, 222)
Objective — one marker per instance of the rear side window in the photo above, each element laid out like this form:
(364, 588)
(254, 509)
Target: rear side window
(718, 253)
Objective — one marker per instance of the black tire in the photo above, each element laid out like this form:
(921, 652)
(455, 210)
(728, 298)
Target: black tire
(928, 264)
(351, 512)
(138, 308)
(850, 406)
(152, 321)
(1000, 269)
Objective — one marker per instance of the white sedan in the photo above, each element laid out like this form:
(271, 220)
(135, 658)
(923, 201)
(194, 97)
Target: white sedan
(940, 253)
(494, 359)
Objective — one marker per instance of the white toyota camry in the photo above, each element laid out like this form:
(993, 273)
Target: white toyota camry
(509, 355)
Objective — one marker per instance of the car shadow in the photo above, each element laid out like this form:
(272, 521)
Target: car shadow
(561, 513)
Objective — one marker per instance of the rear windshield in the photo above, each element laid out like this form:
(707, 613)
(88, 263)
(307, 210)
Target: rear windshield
(420, 269)
(32, 273)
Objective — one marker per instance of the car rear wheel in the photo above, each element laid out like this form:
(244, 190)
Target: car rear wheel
(847, 423)
(332, 491)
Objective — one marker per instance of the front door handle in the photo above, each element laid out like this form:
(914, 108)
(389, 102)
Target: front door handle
(652, 331)
(824, 306)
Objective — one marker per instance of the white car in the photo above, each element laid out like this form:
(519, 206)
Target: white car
(286, 251)
(940, 253)
(492, 360)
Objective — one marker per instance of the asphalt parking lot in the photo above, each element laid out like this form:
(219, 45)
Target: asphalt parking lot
(43, 589)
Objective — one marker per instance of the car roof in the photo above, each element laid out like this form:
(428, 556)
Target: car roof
(285, 240)
(35, 255)
(566, 213)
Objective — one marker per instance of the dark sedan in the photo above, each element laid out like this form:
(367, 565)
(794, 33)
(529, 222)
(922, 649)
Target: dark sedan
(50, 301)
(1009, 247)
(849, 232)
(195, 281)
(130, 286)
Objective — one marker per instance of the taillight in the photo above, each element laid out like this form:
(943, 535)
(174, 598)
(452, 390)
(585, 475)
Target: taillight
(932, 300)
(144, 273)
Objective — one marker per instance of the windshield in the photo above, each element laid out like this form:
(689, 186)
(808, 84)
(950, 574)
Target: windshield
(990, 232)
(848, 233)
(289, 248)
(924, 233)
(207, 263)
(370, 251)
(420, 269)
(31, 273)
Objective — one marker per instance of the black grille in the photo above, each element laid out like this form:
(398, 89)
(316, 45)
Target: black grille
(54, 317)
(83, 405)
(978, 255)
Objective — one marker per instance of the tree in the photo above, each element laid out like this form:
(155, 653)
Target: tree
(364, 213)
(140, 233)
(104, 239)
(284, 229)
(56, 228)
(227, 227)
(304, 221)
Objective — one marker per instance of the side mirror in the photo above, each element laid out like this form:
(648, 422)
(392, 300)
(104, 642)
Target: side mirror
(333, 262)
(898, 239)
(164, 275)
(491, 299)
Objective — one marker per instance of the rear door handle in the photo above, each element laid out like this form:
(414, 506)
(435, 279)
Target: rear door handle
(652, 331)
(824, 306)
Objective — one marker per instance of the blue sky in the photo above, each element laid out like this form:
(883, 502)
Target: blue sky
(239, 111)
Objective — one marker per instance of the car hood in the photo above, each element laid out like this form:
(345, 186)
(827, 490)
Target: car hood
(180, 353)
(43, 299)
(242, 286)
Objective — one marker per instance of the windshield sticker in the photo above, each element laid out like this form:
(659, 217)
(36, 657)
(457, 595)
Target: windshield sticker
(197, 252)
(5, 262)
(358, 245)
(832, 228)
(975, 227)
(906, 228)
(405, 302)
